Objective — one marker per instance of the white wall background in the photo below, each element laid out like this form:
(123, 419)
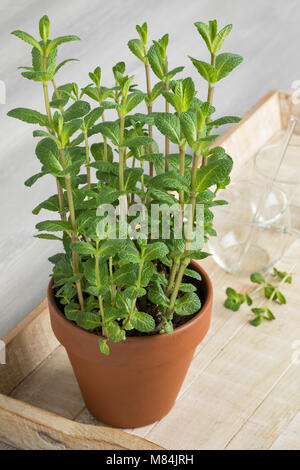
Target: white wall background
(266, 33)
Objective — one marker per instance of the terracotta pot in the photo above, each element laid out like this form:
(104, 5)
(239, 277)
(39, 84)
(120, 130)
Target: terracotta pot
(137, 384)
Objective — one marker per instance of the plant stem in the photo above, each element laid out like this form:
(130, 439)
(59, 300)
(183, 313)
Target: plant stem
(181, 170)
(172, 277)
(121, 170)
(167, 142)
(87, 155)
(100, 299)
(48, 111)
(149, 109)
(138, 285)
(103, 119)
(74, 228)
(111, 281)
(185, 257)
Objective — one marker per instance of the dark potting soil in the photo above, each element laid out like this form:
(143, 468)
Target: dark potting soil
(143, 304)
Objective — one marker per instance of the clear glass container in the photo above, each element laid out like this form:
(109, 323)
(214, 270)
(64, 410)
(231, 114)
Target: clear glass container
(267, 160)
(252, 229)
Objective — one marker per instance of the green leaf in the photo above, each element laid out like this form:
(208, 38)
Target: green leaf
(156, 91)
(83, 248)
(232, 304)
(204, 30)
(163, 197)
(158, 159)
(38, 76)
(69, 129)
(257, 321)
(131, 177)
(93, 116)
(157, 295)
(216, 170)
(111, 130)
(185, 91)
(47, 236)
(126, 275)
(108, 195)
(115, 333)
(225, 63)
(169, 125)
(63, 63)
(54, 226)
(44, 27)
(130, 252)
(87, 320)
(270, 315)
(30, 181)
(168, 327)
(198, 254)
(142, 31)
(50, 204)
(257, 278)
(156, 62)
(248, 299)
(193, 274)
(155, 250)
(104, 348)
(76, 110)
(137, 48)
(110, 247)
(173, 100)
(185, 287)
(60, 40)
(171, 73)
(280, 297)
(147, 273)
(188, 304)
(142, 321)
(224, 120)
(207, 71)
(29, 115)
(133, 292)
(48, 154)
(28, 38)
(219, 39)
(133, 100)
(97, 151)
(189, 127)
(169, 181)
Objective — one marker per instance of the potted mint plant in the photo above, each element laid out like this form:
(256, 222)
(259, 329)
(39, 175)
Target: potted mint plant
(126, 298)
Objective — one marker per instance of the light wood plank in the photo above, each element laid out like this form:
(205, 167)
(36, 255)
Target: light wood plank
(27, 427)
(27, 345)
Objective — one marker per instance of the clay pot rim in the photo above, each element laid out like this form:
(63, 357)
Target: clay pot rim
(133, 339)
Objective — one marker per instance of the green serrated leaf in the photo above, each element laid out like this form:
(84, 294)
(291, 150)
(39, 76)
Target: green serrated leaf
(169, 125)
(155, 250)
(76, 110)
(103, 346)
(60, 40)
(28, 38)
(188, 304)
(142, 321)
(225, 63)
(29, 115)
(54, 226)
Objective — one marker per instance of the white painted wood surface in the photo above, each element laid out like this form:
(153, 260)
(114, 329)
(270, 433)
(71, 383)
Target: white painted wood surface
(265, 32)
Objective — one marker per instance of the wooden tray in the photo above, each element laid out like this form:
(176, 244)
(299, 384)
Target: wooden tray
(241, 392)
